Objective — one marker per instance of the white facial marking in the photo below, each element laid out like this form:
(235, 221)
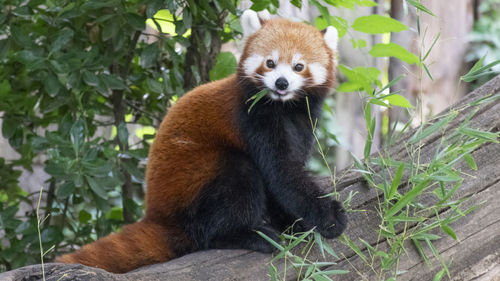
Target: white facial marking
(249, 22)
(296, 58)
(252, 63)
(295, 81)
(318, 73)
(275, 56)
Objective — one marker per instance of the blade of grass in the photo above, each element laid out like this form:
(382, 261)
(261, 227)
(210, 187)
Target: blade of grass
(427, 71)
(432, 46)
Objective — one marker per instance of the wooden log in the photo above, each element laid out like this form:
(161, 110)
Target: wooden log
(475, 255)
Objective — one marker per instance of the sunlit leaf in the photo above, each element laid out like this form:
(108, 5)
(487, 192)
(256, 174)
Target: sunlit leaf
(374, 24)
(398, 100)
(393, 50)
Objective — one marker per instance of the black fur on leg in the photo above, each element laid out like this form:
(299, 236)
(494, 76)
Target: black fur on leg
(230, 208)
(249, 239)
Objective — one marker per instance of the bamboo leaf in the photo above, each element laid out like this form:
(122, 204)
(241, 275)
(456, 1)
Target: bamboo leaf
(290, 246)
(257, 97)
(420, 7)
(448, 230)
(470, 161)
(329, 250)
(482, 135)
(439, 275)
(331, 272)
(419, 135)
(450, 193)
(390, 84)
(369, 139)
(427, 71)
(407, 198)
(432, 46)
(478, 70)
(319, 242)
(274, 243)
(420, 249)
(426, 236)
(486, 99)
(355, 248)
(395, 181)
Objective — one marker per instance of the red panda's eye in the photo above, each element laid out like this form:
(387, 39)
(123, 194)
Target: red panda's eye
(298, 67)
(270, 63)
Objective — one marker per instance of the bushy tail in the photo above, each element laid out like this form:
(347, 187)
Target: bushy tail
(138, 244)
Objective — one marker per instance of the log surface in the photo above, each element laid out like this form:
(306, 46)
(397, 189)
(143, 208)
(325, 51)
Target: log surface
(476, 254)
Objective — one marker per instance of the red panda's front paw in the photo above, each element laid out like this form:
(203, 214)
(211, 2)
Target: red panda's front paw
(333, 220)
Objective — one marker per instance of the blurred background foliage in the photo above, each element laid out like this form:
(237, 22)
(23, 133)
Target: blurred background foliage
(84, 84)
(485, 38)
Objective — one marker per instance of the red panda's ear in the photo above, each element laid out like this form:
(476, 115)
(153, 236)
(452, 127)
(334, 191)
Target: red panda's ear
(331, 36)
(264, 16)
(250, 22)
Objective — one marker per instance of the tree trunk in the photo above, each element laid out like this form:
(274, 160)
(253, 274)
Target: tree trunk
(205, 44)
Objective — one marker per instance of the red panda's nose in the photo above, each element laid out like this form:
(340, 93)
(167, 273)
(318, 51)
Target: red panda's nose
(281, 83)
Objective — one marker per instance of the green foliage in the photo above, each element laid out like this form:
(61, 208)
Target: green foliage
(10, 195)
(374, 24)
(225, 65)
(393, 50)
(478, 70)
(76, 79)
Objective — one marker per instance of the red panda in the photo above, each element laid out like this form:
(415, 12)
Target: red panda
(218, 172)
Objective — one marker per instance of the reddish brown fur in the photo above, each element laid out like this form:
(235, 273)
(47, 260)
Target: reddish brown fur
(136, 245)
(184, 156)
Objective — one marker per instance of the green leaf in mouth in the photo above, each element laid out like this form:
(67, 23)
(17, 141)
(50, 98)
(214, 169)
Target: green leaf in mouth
(257, 97)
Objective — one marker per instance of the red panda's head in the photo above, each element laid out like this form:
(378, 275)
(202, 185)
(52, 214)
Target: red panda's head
(288, 58)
